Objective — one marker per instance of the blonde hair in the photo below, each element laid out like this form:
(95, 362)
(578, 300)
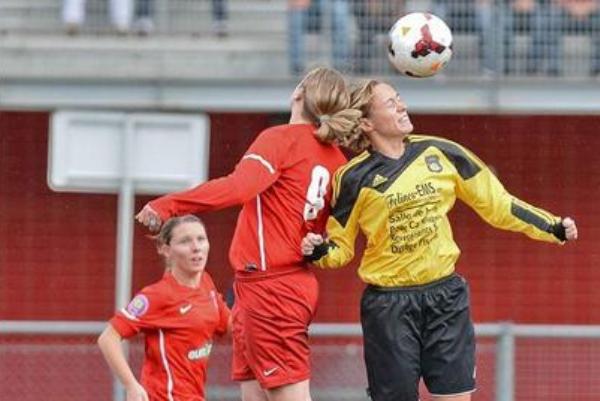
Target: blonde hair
(327, 105)
(361, 96)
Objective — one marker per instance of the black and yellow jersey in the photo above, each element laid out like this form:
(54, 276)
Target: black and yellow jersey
(401, 206)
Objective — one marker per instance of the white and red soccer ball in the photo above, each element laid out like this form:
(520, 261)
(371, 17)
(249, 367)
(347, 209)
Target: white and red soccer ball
(420, 45)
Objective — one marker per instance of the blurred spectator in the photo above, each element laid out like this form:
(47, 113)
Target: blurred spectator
(498, 23)
(530, 17)
(73, 14)
(547, 21)
(573, 17)
(219, 15)
(472, 17)
(144, 20)
(373, 18)
(122, 12)
(306, 16)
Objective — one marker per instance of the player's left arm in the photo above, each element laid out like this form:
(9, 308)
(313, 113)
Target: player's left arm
(481, 190)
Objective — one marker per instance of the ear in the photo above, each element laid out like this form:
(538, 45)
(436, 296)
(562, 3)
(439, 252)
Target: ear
(298, 93)
(366, 125)
(164, 250)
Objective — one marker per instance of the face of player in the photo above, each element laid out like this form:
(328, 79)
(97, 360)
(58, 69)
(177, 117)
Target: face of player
(188, 250)
(388, 116)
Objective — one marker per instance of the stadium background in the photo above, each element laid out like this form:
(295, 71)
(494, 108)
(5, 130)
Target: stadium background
(58, 249)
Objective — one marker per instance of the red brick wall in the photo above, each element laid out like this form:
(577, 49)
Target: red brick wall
(57, 251)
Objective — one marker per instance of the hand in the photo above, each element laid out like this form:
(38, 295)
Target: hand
(570, 228)
(309, 242)
(148, 217)
(135, 392)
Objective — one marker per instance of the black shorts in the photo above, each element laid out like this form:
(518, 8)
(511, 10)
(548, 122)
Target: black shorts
(421, 331)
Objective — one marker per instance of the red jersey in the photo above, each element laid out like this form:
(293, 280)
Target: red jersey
(179, 324)
(283, 182)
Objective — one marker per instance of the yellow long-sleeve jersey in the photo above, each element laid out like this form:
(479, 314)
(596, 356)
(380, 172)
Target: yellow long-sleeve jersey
(401, 206)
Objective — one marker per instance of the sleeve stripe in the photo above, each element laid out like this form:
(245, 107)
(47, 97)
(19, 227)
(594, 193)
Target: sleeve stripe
(547, 215)
(261, 236)
(259, 158)
(530, 217)
(539, 212)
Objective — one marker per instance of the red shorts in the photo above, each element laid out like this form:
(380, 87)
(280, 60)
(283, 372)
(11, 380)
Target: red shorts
(270, 328)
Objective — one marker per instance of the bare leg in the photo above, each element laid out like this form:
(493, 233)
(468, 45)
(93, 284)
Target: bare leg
(251, 391)
(458, 397)
(291, 392)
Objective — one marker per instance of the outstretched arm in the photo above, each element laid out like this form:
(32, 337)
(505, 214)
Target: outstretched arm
(258, 169)
(488, 197)
(478, 187)
(249, 178)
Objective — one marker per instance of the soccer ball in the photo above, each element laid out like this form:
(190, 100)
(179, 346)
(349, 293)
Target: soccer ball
(420, 45)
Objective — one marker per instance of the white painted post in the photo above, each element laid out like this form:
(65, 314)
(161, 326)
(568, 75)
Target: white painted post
(505, 364)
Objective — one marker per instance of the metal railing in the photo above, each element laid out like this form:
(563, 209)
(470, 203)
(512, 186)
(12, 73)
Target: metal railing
(575, 348)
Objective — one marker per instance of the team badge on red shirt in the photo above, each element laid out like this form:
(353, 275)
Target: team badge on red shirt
(138, 305)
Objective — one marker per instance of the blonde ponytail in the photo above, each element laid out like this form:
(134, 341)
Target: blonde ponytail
(327, 105)
(340, 127)
(361, 95)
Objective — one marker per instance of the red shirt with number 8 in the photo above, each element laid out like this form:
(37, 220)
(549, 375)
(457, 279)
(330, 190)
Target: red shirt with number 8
(283, 181)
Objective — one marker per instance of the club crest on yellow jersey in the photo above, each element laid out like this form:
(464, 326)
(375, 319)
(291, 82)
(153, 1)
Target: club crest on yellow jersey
(433, 163)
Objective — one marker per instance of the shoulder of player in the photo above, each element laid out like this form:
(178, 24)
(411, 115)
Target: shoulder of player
(164, 292)
(158, 292)
(353, 175)
(465, 162)
(274, 130)
(445, 145)
(207, 281)
(151, 298)
(431, 140)
(282, 132)
(286, 137)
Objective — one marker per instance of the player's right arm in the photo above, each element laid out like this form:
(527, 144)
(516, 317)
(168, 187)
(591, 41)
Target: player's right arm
(258, 169)
(144, 311)
(342, 226)
(110, 345)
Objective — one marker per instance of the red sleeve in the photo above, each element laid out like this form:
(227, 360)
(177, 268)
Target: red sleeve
(224, 314)
(143, 312)
(259, 168)
(220, 304)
